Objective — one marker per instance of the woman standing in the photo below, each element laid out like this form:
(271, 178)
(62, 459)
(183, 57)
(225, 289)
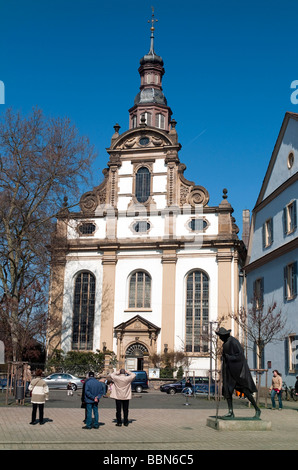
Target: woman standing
(276, 388)
(39, 394)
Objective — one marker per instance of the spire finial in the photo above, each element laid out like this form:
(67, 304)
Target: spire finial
(152, 21)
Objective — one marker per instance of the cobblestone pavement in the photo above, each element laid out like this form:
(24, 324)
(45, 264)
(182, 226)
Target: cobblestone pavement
(149, 429)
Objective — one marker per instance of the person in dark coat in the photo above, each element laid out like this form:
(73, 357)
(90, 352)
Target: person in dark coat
(93, 391)
(235, 372)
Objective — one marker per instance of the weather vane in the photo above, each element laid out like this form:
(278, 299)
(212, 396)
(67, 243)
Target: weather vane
(153, 20)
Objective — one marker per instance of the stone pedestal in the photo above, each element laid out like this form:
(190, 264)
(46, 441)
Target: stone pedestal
(238, 424)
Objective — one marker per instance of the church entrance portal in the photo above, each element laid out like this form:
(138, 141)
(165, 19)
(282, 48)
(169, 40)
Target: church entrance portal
(134, 356)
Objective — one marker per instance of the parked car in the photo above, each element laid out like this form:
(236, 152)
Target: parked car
(201, 386)
(140, 382)
(62, 380)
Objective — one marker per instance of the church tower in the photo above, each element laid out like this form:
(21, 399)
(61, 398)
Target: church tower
(150, 104)
(146, 265)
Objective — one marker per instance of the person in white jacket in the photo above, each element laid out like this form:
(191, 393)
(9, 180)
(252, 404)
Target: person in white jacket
(39, 394)
(121, 392)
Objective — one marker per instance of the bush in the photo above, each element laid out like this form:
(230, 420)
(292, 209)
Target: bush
(77, 362)
(167, 372)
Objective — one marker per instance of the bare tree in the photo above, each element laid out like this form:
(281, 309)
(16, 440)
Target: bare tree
(41, 160)
(261, 326)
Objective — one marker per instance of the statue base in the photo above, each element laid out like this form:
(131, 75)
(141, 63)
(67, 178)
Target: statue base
(238, 424)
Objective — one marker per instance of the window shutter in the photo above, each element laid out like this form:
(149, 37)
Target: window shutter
(285, 283)
(294, 214)
(262, 291)
(263, 235)
(294, 280)
(271, 230)
(285, 222)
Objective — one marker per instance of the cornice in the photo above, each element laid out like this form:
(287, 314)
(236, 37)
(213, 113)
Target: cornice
(272, 255)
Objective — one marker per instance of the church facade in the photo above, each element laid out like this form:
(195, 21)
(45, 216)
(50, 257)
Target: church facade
(146, 266)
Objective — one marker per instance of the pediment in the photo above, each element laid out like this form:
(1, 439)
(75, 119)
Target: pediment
(137, 323)
(141, 138)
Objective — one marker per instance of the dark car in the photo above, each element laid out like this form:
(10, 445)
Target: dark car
(140, 381)
(201, 386)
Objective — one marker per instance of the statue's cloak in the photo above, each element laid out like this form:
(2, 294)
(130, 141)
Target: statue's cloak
(235, 370)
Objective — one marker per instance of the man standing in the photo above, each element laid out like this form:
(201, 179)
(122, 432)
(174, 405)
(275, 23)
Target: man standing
(235, 372)
(94, 390)
(121, 392)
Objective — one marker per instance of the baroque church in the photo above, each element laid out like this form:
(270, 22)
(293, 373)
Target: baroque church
(146, 266)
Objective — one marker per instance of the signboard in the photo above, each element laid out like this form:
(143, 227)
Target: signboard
(154, 373)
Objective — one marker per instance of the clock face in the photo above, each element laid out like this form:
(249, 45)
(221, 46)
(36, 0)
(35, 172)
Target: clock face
(144, 141)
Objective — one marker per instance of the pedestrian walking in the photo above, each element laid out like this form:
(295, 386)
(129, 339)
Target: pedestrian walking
(121, 392)
(276, 389)
(94, 390)
(39, 394)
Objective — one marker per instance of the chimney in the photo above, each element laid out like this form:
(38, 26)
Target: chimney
(245, 226)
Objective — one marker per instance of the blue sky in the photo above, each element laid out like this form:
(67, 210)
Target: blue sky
(229, 67)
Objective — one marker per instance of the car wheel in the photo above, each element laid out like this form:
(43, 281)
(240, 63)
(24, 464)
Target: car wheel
(172, 391)
(139, 389)
(74, 387)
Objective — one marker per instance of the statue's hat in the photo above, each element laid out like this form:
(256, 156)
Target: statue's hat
(222, 331)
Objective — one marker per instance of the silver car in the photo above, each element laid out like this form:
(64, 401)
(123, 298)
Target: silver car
(62, 380)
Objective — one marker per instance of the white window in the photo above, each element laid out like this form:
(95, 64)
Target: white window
(134, 121)
(148, 118)
(140, 290)
(290, 218)
(293, 352)
(267, 233)
(160, 121)
(290, 281)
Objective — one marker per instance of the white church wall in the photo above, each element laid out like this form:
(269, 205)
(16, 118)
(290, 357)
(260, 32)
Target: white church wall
(126, 265)
(126, 168)
(159, 166)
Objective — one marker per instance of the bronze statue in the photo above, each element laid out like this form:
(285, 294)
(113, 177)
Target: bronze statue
(235, 372)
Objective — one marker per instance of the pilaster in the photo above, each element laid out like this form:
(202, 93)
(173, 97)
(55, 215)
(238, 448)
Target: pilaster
(169, 260)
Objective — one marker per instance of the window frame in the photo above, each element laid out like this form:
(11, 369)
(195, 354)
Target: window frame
(292, 365)
(141, 198)
(258, 293)
(196, 301)
(143, 302)
(160, 121)
(148, 118)
(267, 233)
(290, 281)
(290, 217)
(83, 311)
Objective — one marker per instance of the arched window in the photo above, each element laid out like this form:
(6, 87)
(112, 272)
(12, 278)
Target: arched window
(160, 121)
(143, 181)
(197, 312)
(140, 290)
(83, 312)
(148, 118)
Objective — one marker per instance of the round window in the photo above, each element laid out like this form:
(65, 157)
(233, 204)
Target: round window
(144, 141)
(197, 225)
(141, 227)
(87, 229)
